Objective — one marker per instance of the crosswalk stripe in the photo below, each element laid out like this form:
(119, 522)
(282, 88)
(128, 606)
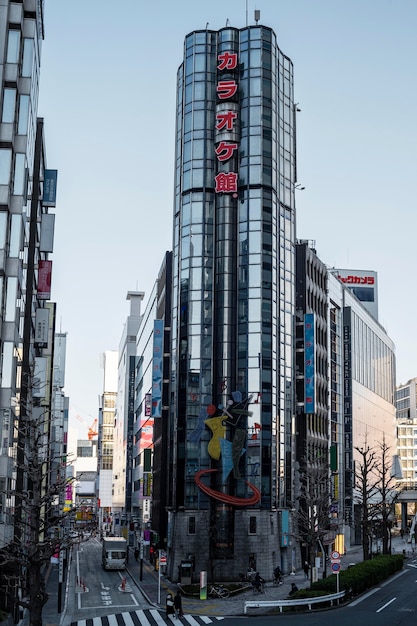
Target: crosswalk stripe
(128, 619)
(157, 616)
(147, 617)
(190, 619)
(142, 617)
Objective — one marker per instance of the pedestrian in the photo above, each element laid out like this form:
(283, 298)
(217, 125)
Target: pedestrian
(178, 604)
(170, 605)
(306, 569)
(294, 588)
(258, 583)
(136, 553)
(277, 575)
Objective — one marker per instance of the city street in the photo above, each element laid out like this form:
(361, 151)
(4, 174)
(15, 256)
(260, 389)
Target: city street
(94, 597)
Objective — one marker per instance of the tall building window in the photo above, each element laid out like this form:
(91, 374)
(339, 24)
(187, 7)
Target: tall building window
(27, 57)
(9, 105)
(13, 46)
(252, 525)
(5, 163)
(191, 525)
(7, 362)
(19, 175)
(22, 125)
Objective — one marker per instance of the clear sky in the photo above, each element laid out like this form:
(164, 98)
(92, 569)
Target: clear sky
(107, 95)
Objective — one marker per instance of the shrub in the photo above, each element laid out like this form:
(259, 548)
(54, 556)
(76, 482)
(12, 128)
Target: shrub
(363, 576)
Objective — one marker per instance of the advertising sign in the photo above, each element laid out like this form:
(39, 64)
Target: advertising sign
(44, 279)
(49, 187)
(41, 328)
(157, 366)
(309, 363)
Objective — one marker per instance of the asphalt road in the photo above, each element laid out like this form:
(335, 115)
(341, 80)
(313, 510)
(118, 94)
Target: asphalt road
(392, 603)
(98, 592)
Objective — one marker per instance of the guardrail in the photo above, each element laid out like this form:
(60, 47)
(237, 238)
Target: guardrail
(257, 604)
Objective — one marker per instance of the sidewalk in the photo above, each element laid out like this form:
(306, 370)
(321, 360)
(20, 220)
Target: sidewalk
(212, 606)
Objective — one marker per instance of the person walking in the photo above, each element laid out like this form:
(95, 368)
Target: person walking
(178, 604)
(306, 569)
(170, 605)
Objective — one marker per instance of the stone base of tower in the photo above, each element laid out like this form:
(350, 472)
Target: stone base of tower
(256, 545)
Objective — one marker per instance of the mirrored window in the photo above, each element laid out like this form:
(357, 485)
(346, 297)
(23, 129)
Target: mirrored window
(13, 46)
(9, 105)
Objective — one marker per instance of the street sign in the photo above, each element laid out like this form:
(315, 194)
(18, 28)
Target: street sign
(335, 555)
(335, 568)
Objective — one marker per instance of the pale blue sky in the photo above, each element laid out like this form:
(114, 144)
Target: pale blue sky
(107, 94)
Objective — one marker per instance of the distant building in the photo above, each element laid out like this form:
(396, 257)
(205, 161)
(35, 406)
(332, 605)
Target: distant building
(123, 450)
(362, 397)
(107, 403)
(406, 406)
(152, 462)
(364, 284)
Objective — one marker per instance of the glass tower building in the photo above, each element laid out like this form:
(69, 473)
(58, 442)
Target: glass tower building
(232, 400)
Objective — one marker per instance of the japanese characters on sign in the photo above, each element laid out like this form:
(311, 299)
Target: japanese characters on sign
(226, 182)
(357, 280)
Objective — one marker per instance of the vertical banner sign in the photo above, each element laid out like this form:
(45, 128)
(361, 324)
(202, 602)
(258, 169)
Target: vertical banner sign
(49, 187)
(148, 405)
(226, 115)
(157, 361)
(44, 279)
(347, 412)
(130, 421)
(41, 328)
(285, 529)
(309, 363)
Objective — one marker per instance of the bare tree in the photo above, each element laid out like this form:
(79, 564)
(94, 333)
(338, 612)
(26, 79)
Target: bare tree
(38, 535)
(366, 492)
(387, 492)
(312, 508)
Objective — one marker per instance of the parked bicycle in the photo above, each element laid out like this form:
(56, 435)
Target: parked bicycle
(219, 592)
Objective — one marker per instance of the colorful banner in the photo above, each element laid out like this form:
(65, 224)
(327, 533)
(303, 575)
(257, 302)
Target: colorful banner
(44, 279)
(49, 187)
(309, 363)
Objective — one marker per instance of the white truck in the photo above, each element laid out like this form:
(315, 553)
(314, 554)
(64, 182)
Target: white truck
(114, 553)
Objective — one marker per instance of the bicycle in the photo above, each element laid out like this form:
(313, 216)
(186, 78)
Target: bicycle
(259, 586)
(278, 580)
(219, 592)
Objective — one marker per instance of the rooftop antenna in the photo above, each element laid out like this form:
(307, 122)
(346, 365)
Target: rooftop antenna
(227, 22)
(246, 13)
(207, 25)
(257, 16)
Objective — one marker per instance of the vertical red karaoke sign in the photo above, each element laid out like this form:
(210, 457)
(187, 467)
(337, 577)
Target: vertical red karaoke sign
(226, 182)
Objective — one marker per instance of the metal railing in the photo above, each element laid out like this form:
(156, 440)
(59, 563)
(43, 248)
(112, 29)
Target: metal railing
(254, 604)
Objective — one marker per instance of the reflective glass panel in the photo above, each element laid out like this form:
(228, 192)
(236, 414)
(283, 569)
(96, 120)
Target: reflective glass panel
(13, 46)
(9, 106)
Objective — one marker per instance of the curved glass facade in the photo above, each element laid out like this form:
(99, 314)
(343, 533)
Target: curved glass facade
(233, 272)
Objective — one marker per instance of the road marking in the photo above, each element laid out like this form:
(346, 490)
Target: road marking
(385, 605)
